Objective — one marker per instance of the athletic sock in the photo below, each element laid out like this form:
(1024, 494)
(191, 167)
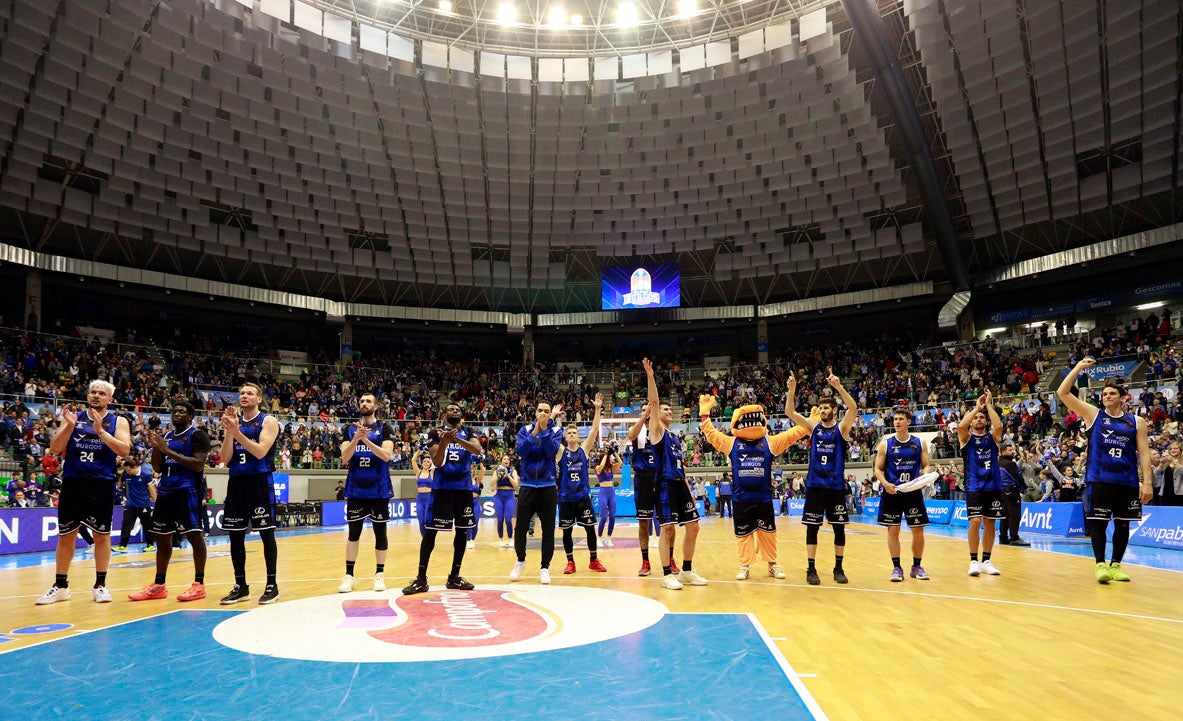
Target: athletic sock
(570, 558)
(60, 581)
(380, 568)
(100, 578)
(973, 556)
(271, 579)
(199, 578)
(895, 561)
(665, 570)
(594, 556)
(687, 564)
(645, 554)
(837, 563)
(159, 579)
(811, 566)
(349, 566)
(915, 561)
(985, 556)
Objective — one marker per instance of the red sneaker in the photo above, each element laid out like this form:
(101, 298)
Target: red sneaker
(196, 592)
(674, 566)
(645, 570)
(151, 592)
(570, 568)
(597, 566)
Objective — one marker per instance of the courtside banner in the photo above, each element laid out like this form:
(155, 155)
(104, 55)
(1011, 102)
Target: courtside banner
(871, 506)
(940, 512)
(25, 530)
(1054, 519)
(1161, 527)
(959, 518)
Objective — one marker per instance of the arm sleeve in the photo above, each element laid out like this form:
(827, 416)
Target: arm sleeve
(717, 438)
(782, 441)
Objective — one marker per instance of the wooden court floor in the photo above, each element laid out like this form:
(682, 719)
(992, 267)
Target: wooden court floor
(1041, 641)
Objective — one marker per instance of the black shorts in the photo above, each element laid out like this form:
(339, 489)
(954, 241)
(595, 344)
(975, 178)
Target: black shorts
(178, 511)
(1103, 501)
(675, 502)
(829, 503)
(895, 507)
(250, 503)
(449, 510)
(984, 504)
(644, 485)
(86, 502)
(572, 512)
(752, 517)
(375, 509)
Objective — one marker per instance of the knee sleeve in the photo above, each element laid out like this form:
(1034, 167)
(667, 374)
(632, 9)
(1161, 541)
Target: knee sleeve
(839, 535)
(380, 542)
(355, 530)
(811, 535)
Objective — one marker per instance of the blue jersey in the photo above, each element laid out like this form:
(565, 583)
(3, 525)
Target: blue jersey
(606, 476)
(241, 462)
(1113, 450)
(573, 475)
(668, 453)
(188, 442)
(980, 455)
(903, 460)
(724, 488)
(86, 454)
(751, 467)
(136, 487)
(369, 475)
(644, 459)
(827, 458)
(456, 473)
(504, 483)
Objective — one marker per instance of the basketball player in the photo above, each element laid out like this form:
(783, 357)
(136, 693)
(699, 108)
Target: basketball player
(179, 457)
(750, 450)
(368, 489)
(249, 449)
(983, 480)
(673, 500)
(825, 483)
(537, 445)
(644, 464)
(574, 491)
(421, 462)
(609, 465)
(136, 479)
(91, 443)
(900, 458)
(505, 485)
(1118, 448)
(450, 508)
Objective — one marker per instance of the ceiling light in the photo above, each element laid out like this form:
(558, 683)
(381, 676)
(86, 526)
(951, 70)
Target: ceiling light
(989, 331)
(506, 14)
(446, 7)
(686, 8)
(576, 21)
(557, 17)
(626, 14)
(1148, 306)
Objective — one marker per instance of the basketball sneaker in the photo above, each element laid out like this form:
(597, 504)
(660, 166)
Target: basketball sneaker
(919, 573)
(379, 581)
(742, 573)
(457, 583)
(975, 568)
(102, 595)
(53, 595)
(1020, 542)
(989, 569)
(1117, 574)
(608, 542)
(196, 592)
(270, 594)
(597, 566)
(570, 568)
(645, 569)
(812, 578)
(897, 575)
(775, 570)
(419, 585)
(150, 592)
(346, 584)
(544, 577)
(121, 549)
(238, 593)
(516, 573)
(671, 582)
(1104, 573)
(690, 578)
(149, 547)
(471, 545)
(674, 566)
(840, 576)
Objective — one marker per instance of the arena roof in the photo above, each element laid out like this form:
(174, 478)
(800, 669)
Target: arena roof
(384, 152)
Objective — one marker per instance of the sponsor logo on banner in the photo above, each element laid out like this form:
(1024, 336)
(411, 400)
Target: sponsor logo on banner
(939, 512)
(1171, 286)
(1057, 519)
(437, 626)
(1161, 527)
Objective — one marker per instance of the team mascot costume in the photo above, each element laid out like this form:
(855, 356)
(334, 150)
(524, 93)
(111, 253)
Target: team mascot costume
(751, 451)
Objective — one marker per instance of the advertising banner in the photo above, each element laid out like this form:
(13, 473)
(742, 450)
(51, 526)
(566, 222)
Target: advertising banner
(24, 530)
(1056, 519)
(1161, 527)
(940, 513)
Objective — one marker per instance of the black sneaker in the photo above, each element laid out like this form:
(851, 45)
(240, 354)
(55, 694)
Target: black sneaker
(839, 576)
(419, 585)
(270, 594)
(1020, 542)
(238, 593)
(812, 578)
(1004, 541)
(457, 583)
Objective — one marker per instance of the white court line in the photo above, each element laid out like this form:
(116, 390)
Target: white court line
(82, 632)
(794, 678)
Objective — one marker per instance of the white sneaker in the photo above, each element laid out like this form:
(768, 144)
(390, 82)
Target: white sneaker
(988, 568)
(652, 542)
(975, 568)
(503, 544)
(53, 595)
(775, 570)
(742, 573)
(516, 573)
(346, 584)
(379, 582)
(671, 582)
(101, 595)
(544, 577)
(471, 545)
(690, 578)
(608, 542)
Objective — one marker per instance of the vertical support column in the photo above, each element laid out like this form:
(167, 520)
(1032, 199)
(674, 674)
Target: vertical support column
(762, 342)
(965, 325)
(347, 341)
(33, 298)
(528, 346)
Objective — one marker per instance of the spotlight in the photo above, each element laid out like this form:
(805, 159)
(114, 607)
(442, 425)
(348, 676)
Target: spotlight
(445, 7)
(506, 14)
(626, 14)
(686, 8)
(557, 17)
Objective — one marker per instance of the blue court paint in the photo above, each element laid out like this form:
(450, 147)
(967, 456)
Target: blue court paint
(169, 666)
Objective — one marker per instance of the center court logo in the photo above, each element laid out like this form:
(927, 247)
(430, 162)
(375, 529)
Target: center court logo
(439, 625)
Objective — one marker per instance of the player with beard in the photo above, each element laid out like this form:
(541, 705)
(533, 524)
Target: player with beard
(368, 489)
(983, 480)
